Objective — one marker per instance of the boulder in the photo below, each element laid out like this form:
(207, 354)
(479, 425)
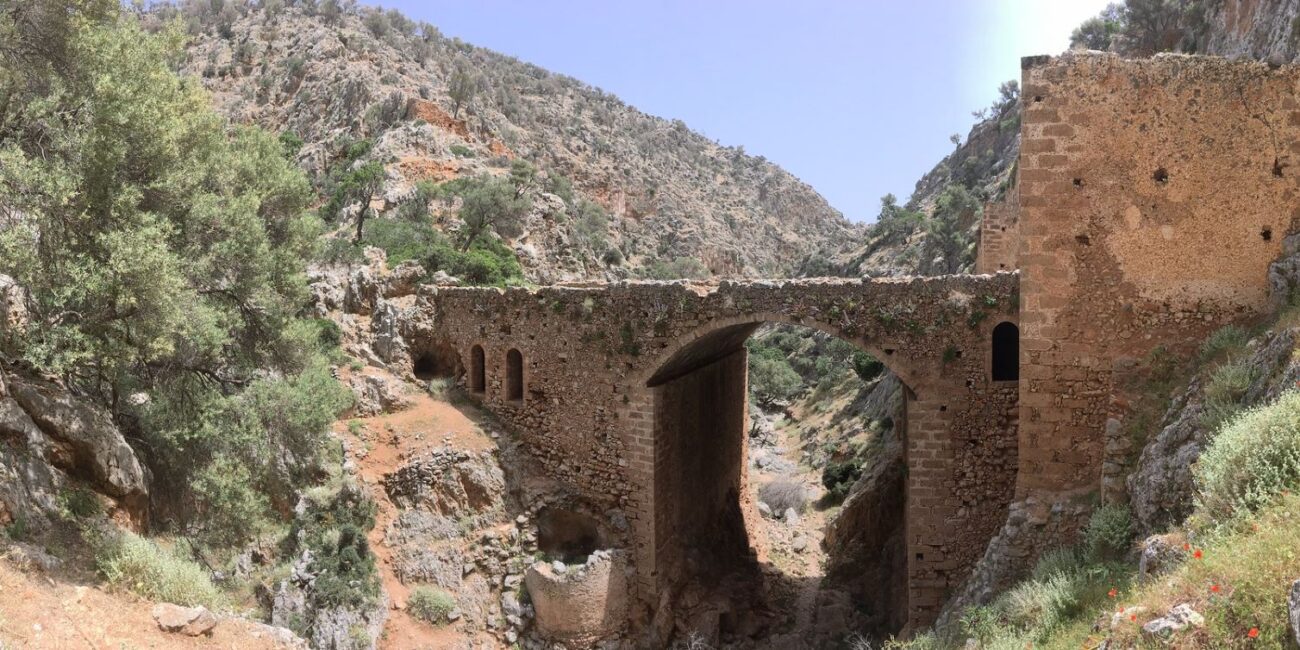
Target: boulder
(32, 558)
(190, 621)
(403, 280)
(377, 394)
(1178, 619)
(1159, 555)
(444, 279)
(1126, 615)
(790, 516)
(386, 334)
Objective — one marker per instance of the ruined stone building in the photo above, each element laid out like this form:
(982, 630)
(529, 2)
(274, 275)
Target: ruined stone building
(1150, 198)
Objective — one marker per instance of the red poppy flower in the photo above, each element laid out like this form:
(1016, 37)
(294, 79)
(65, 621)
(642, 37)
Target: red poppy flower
(1197, 554)
(1133, 617)
(1186, 546)
(1214, 588)
(1112, 593)
(1254, 632)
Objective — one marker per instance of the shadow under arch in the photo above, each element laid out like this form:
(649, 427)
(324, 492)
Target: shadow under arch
(722, 336)
(705, 515)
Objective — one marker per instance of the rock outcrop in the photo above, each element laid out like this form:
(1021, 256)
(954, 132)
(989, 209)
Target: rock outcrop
(342, 626)
(447, 481)
(1160, 488)
(55, 438)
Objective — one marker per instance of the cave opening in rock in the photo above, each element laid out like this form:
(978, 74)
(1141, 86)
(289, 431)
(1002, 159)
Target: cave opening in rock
(765, 430)
(437, 361)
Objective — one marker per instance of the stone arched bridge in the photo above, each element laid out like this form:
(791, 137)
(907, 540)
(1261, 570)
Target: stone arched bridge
(634, 395)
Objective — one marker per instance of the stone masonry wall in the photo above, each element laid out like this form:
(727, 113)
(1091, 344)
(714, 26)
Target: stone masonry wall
(1153, 196)
(594, 357)
(999, 245)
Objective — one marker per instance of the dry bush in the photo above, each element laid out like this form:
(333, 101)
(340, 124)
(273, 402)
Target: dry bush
(781, 495)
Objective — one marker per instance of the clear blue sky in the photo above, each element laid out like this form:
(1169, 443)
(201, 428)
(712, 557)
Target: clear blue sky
(855, 97)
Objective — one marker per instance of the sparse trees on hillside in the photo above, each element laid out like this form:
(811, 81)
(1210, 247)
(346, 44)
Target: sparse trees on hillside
(1143, 27)
(364, 181)
(492, 205)
(163, 252)
(1098, 32)
(946, 239)
(462, 87)
(1152, 26)
(1008, 95)
(330, 10)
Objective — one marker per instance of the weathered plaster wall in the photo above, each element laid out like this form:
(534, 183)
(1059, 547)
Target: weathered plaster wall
(597, 361)
(1154, 194)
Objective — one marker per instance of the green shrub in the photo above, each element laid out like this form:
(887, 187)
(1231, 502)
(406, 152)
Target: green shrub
(772, 379)
(80, 503)
(272, 433)
(291, 143)
(1224, 390)
(333, 527)
(145, 568)
(430, 605)
(1039, 606)
(1056, 562)
(839, 477)
(461, 151)
(678, 268)
(1252, 459)
(18, 530)
(233, 510)
(1226, 339)
(486, 262)
(866, 366)
(1109, 532)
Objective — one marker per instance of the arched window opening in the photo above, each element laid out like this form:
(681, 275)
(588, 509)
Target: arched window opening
(514, 375)
(1006, 352)
(477, 370)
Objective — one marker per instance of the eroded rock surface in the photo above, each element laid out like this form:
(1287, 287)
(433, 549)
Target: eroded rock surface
(50, 438)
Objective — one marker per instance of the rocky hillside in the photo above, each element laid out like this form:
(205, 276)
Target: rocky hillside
(937, 230)
(436, 109)
(1255, 29)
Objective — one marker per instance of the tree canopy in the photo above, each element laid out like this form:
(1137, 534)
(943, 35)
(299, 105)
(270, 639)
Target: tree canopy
(162, 250)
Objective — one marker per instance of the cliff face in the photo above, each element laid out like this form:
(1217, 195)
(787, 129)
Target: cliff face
(1265, 30)
(671, 194)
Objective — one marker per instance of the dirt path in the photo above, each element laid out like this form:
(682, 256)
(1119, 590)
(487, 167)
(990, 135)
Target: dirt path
(37, 612)
(795, 549)
(380, 446)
